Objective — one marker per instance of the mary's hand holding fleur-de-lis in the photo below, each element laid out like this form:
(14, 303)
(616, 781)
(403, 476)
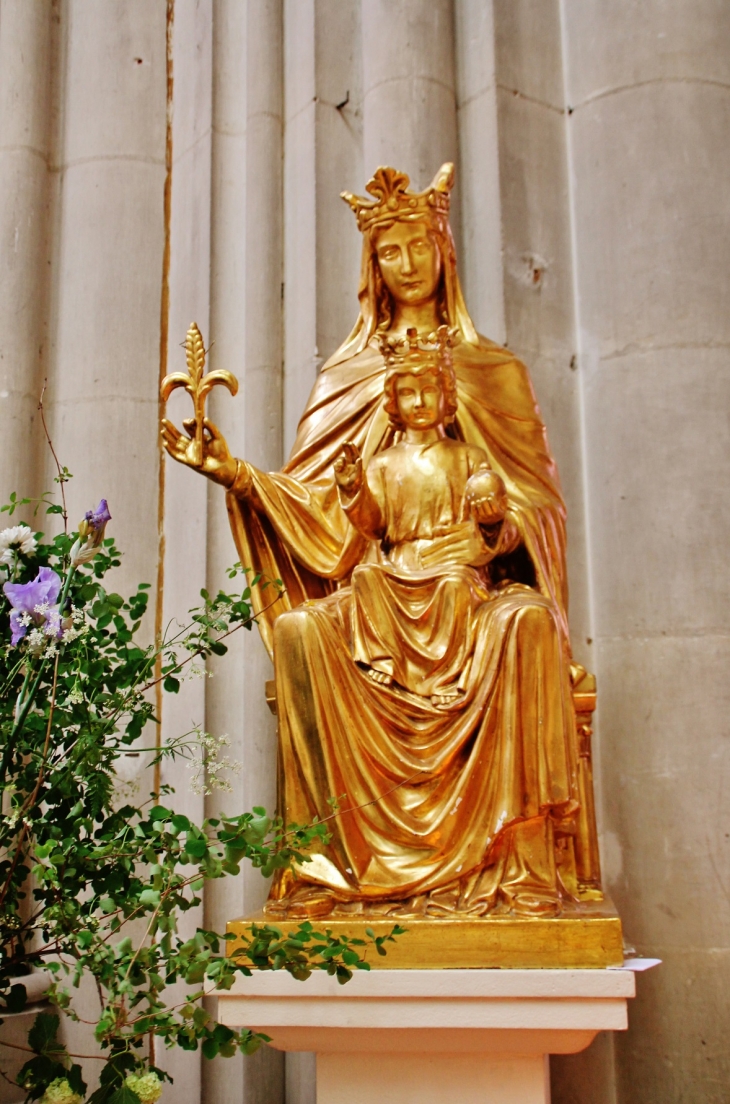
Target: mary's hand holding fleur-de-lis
(202, 446)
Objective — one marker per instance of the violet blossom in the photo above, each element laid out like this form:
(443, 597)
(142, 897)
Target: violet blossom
(33, 604)
(91, 534)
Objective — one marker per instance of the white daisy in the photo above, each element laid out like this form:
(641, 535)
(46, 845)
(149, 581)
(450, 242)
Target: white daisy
(20, 538)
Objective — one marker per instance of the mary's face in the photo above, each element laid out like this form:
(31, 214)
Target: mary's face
(410, 262)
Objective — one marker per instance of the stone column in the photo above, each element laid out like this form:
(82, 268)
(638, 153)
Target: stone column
(478, 177)
(409, 100)
(26, 68)
(540, 328)
(108, 268)
(538, 271)
(649, 91)
(322, 157)
(245, 330)
(107, 264)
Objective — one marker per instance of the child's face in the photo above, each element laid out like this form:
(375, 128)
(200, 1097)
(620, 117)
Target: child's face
(420, 400)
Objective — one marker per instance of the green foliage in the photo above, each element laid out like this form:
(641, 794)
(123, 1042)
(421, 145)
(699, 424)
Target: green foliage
(77, 867)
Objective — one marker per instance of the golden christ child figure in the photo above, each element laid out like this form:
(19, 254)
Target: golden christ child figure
(436, 510)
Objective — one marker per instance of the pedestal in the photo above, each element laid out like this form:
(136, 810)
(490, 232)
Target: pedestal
(586, 935)
(433, 1036)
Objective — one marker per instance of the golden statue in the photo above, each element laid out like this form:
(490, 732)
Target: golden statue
(424, 676)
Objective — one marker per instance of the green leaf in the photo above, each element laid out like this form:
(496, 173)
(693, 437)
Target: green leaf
(159, 812)
(42, 1034)
(124, 1095)
(210, 1048)
(196, 848)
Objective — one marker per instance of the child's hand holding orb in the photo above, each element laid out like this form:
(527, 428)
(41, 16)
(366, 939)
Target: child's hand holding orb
(485, 497)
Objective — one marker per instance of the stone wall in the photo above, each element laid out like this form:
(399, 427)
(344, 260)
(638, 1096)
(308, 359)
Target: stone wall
(169, 160)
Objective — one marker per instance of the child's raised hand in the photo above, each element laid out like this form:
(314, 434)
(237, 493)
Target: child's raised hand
(348, 469)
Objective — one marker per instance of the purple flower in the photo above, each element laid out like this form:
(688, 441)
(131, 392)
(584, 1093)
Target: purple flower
(98, 518)
(91, 534)
(33, 603)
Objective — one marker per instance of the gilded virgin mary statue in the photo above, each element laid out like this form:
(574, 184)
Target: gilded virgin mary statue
(423, 668)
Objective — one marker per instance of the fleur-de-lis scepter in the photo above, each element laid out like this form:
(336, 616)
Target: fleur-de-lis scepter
(197, 385)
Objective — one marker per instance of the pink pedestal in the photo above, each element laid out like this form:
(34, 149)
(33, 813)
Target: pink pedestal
(433, 1036)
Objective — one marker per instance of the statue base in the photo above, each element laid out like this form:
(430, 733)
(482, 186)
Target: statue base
(585, 936)
(432, 1037)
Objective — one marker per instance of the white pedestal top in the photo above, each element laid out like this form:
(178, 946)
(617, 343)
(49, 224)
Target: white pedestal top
(515, 1011)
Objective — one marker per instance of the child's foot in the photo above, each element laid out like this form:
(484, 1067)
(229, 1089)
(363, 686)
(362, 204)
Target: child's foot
(380, 677)
(446, 697)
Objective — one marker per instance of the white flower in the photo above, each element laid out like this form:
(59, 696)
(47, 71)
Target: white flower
(60, 1092)
(19, 537)
(147, 1086)
(208, 766)
(75, 696)
(195, 671)
(36, 640)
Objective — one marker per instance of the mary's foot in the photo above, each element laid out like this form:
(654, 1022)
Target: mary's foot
(536, 904)
(305, 901)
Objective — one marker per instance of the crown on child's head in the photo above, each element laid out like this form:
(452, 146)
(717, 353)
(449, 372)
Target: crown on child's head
(394, 200)
(416, 354)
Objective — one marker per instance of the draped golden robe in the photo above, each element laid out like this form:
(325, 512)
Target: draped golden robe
(459, 806)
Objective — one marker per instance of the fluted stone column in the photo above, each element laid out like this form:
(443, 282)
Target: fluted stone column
(245, 328)
(649, 88)
(478, 177)
(537, 243)
(409, 101)
(322, 157)
(107, 264)
(26, 72)
(539, 295)
(108, 268)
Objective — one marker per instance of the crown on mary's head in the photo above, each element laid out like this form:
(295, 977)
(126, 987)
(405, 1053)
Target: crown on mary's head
(393, 199)
(416, 354)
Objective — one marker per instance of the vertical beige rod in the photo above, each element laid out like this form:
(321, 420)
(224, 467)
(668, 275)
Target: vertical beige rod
(25, 128)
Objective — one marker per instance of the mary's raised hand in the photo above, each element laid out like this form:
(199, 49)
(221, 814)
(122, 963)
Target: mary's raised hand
(217, 463)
